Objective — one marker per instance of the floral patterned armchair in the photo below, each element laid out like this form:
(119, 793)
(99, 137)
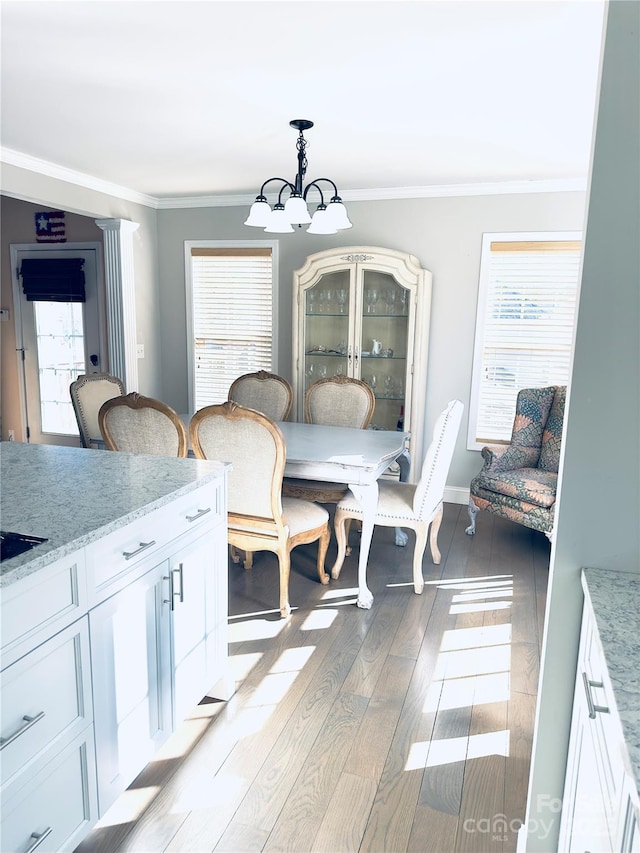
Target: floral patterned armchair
(519, 480)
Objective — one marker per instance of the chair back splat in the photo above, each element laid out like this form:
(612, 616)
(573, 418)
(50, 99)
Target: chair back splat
(265, 392)
(88, 392)
(259, 517)
(420, 506)
(137, 424)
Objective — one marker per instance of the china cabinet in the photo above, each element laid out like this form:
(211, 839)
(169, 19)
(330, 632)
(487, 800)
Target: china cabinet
(364, 312)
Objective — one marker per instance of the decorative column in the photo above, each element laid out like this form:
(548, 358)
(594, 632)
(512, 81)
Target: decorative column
(121, 302)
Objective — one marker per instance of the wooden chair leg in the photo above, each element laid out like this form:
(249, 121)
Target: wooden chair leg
(284, 562)
(323, 545)
(433, 538)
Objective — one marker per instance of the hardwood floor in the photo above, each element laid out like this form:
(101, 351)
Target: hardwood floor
(407, 727)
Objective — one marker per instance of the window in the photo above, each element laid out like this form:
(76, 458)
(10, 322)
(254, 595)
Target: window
(231, 296)
(525, 325)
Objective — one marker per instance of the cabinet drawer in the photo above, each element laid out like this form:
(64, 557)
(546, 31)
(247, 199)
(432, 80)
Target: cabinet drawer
(201, 507)
(56, 801)
(45, 696)
(39, 605)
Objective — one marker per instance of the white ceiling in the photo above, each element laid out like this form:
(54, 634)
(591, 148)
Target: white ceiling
(174, 99)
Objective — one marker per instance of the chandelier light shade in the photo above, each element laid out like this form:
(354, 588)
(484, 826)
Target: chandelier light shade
(292, 209)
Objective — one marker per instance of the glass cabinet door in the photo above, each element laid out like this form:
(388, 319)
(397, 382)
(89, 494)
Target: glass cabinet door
(327, 313)
(383, 345)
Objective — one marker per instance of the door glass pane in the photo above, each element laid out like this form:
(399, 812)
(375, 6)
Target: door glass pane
(383, 347)
(60, 345)
(326, 331)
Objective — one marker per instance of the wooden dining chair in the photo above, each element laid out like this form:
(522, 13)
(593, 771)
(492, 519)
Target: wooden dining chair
(406, 505)
(137, 424)
(334, 401)
(88, 392)
(265, 392)
(259, 518)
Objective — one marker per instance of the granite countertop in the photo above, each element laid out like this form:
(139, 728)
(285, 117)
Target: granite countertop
(73, 496)
(615, 599)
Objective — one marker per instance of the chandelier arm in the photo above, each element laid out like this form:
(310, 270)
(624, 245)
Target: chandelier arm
(314, 184)
(335, 197)
(268, 181)
(283, 188)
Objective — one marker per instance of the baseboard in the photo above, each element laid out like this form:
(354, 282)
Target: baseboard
(456, 495)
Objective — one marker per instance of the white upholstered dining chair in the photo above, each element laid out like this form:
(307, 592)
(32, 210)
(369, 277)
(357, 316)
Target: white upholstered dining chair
(259, 518)
(416, 506)
(137, 424)
(265, 392)
(88, 392)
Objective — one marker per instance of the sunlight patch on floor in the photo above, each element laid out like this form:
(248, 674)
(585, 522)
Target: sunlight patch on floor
(129, 806)
(208, 792)
(319, 619)
(339, 593)
(481, 594)
(241, 665)
(437, 753)
(477, 607)
(292, 660)
(255, 629)
(465, 662)
(471, 583)
(473, 638)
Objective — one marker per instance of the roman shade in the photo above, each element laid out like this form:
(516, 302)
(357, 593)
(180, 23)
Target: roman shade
(53, 279)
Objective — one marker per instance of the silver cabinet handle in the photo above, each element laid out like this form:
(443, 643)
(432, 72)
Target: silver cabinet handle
(172, 591)
(143, 547)
(38, 837)
(199, 514)
(593, 709)
(28, 722)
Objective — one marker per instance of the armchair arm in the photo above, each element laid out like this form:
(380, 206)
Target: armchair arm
(508, 457)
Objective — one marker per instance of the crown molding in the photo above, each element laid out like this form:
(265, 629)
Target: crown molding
(52, 170)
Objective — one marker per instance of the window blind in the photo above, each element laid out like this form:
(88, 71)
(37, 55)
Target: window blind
(232, 318)
(525, 327)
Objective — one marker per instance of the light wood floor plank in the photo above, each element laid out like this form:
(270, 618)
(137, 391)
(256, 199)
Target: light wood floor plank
(306, 804)
(346, 816)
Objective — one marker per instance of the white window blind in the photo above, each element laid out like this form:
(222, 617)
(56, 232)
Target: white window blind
(232, 303)
(524, 327)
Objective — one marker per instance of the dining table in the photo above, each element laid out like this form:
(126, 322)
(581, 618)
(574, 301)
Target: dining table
(357, 457)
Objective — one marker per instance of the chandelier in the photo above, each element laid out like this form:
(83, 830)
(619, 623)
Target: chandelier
(327, 219)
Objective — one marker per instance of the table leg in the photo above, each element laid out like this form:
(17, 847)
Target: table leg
(404, 461)
(368, 497)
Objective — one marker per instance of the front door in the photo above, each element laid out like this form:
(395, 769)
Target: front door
(56, 342)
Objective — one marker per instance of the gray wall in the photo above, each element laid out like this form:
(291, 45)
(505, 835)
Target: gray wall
(445, 234)
(598, 518)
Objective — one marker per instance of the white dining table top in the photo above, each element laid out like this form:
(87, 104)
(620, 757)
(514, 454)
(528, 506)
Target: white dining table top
(342, 446)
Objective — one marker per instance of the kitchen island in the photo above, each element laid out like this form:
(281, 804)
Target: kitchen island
(113, 628)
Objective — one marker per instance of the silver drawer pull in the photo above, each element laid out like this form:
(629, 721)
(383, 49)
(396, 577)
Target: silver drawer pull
(28, 722)
(38, 839)
(199, 514)
(143, 547)
(593, 709)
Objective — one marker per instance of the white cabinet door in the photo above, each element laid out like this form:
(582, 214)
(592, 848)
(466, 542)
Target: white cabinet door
(130, 636)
